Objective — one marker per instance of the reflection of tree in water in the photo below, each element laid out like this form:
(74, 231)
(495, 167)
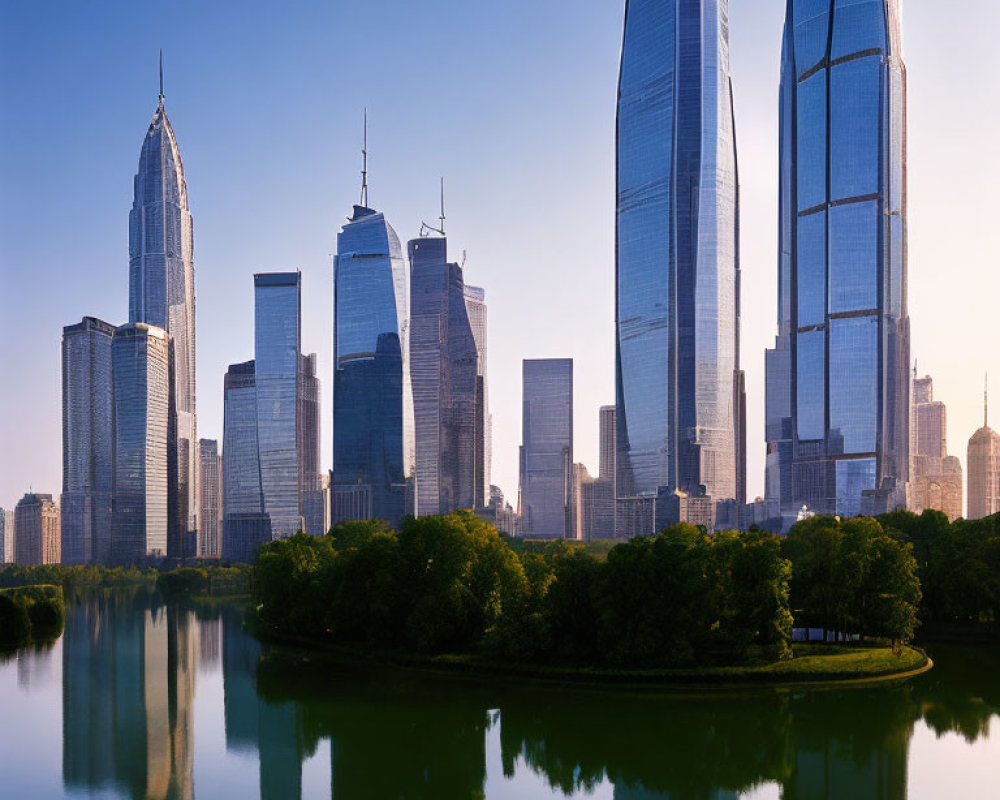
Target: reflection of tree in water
(961, 694)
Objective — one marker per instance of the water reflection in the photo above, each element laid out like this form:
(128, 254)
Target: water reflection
(130, 663)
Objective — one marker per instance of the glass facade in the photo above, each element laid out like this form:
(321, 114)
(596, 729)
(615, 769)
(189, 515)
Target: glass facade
(679, 401)
(210, 506)
(547, 448)
(475, 306)
(373, 450)
(88, 442)
(38, 539)
(277, 352)
(144, 448)
(161, 294)
(842, 443)
(444, 364)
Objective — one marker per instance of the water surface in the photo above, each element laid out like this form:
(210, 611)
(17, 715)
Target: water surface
(148, 701)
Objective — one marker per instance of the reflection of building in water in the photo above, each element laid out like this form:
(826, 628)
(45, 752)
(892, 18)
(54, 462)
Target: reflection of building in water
(128, 691)
(626, 792)
(252, 724)
(210, 638)
(35, 668)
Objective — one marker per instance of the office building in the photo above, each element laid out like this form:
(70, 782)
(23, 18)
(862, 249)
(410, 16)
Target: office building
(38, 534)
(210, 502)
(88, 442)
(983, 463)
(546, 456)
(677, 278)
(838, 377)
(936, 477)
(475, 306)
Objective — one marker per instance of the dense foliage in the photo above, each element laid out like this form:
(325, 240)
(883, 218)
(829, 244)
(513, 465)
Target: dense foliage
(57, 574)
(452, 584)
(213, 581)
(30, 613)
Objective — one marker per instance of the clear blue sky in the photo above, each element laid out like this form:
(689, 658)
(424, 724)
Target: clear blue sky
(512, 102)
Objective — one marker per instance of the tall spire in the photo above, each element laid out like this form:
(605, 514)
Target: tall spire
(161, 76)
(442, 206)
(986, 397)
(364, 163)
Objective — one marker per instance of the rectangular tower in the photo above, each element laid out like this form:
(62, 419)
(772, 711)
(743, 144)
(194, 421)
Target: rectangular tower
(88, 442)
(37, 523)
(546, 459)
(210, 509)
(475, 306)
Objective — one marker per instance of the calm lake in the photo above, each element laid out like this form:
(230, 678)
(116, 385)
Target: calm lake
(141, 699)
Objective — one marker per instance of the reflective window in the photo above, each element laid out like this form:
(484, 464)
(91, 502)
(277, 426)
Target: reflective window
(857, 25)
(811, 385)
(854, 128)
(854, 257)
(853, 478)
(854, 370)
(812, 269)
(812, 31)
(811, 151)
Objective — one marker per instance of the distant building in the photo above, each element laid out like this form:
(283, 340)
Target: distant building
(608, 441)
(311, 492)
(245, 525)
(444, 372)
(935, 477)
(316, 508)
(9, 533)
(210, 508)
(475, 306)
(88, 415)
(373, 447)
(142, 514)
(500, 514)
(546, 458)
(983, 463)
(37, 523)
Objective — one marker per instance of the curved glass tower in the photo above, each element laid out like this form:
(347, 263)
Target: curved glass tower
(679, 386)
(838, 383)
(372, 403)
(161, 293)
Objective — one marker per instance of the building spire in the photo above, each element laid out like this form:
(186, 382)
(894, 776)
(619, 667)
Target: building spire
(442, 206)
(161, 76)
(364, 163)
(986, 398)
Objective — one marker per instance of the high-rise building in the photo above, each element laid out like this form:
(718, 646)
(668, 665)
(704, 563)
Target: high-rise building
(475, 306)
(245, 525)
(141, 358)
(210, 502)
(38, 535)
(608, 417)
(88, 442)
(444, 364)
(161, 294)
(546, 457)
(839, 370)
(311, 494)
(677, 260)
(935, 477)
(9, 534)
(983, 462)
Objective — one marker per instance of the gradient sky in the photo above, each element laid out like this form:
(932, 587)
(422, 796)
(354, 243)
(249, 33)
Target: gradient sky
(513, 103)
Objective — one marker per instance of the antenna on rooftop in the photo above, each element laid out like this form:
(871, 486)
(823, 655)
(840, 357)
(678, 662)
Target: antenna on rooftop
(161, 76)
(364, 163)
(425, 228)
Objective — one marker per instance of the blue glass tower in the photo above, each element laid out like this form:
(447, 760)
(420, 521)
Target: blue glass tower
(372, 402)
(838, 387)
(679, 384)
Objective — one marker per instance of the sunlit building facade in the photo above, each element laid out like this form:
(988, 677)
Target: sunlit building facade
(210, 505)
(161, 294)
(37, 523)
(546, 457)
(679, 385)
(983, 463)
(444, 369)
(838, 382)
(88, 442)
(144, 448)
(935, 477)
(475, 306)
(373, 448)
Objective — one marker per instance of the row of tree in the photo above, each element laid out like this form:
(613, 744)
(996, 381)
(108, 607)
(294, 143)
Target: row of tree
(453, 584)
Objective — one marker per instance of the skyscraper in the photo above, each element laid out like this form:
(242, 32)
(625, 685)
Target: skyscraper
(210, 501)
(936, 477)
(9, 535)
(608, 416)
(311, 493)
(838, 382)
(88, 442)
(546, 458)
(144, 432)
(677, 261)
(38, 534)
(161, 294)
(443, 369)
(475, 306)
(983, 462)
(372, 401)
(245, 525)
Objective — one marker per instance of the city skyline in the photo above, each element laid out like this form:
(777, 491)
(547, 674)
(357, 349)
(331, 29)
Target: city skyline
(491, 271)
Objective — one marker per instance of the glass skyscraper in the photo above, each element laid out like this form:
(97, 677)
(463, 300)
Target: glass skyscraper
(161, 293)
(546, 459)
(210, 505)
(373, 449)
(144, 446)
(444, 366)
(88, 442)
(837, 381)
(678, 378)
(475, 306)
